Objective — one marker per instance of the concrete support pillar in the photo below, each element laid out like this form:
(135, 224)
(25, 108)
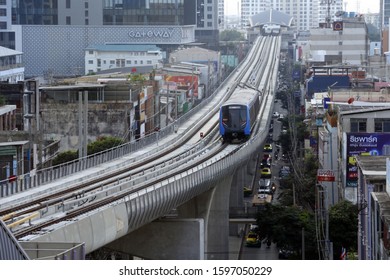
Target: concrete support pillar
(213, 207)
(165, 239)
(83, 122)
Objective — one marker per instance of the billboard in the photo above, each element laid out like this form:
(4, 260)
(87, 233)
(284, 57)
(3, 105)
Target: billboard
(364, 144)
(185, 82)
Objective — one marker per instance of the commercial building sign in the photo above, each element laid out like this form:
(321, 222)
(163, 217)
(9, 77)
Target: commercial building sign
(325, 175)
(152, 33)
(364, 144)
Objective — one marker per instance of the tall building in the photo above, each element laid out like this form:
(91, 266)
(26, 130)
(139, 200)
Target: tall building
(221, 14)
(347, 45)
(7, 35)
(384, 11)
(253, 7)
(308, 13)
(166, 23)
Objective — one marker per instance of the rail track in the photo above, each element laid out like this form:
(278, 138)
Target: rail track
(188, 151)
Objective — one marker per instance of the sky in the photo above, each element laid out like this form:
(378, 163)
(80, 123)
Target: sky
(362, 6)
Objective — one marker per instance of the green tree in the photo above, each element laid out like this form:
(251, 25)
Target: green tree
(285, 225)
(373, 33)
(343, 227)
(101, 144)
(2, 100)
(65, 157)
(231, 35)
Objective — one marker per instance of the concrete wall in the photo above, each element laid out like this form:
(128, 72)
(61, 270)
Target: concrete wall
(176, 239)
(60, 121)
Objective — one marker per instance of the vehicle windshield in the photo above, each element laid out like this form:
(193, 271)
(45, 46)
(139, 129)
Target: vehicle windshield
(234, 116)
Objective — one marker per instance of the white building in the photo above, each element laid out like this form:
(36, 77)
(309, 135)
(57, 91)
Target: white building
(253, 7)
(11, 68)
(306, 13)
(111, 56)
(349, 45)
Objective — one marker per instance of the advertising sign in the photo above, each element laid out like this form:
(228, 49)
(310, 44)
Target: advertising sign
(185, 82)
(364, 144)
(324, 175)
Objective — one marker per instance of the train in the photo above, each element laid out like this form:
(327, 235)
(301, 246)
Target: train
(237, 115)
(270, 29)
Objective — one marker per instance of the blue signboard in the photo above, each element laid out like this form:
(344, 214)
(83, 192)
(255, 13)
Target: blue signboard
(364, 144)
(296, 74)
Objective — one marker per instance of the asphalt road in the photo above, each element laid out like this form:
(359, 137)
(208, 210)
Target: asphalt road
(265, 253)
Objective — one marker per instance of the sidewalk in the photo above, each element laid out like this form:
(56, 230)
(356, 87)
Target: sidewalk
(235, 243)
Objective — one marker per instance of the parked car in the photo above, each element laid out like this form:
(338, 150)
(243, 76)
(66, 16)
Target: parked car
(267, 148)
(252, 240)
(275, 115)
(265, 163)
(284, 171)
(247, 191)
(265, 172)
(285, 253)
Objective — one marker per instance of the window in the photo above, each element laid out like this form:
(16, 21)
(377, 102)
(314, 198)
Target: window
(148, 62)
(112, 61)
(3, 12)
(90, 52)
(128, 62)
(68, 4)
(3, 25)
(86, 5)
(358, 125)
(68, 22)
(86, 21)
(90, 61)
(86, 13)
(382, 125)
(3, 2)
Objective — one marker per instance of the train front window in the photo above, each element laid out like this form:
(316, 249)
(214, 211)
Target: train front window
(234, 116)
(242, 116)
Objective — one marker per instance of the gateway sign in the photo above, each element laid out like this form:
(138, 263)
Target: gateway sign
(152, 33)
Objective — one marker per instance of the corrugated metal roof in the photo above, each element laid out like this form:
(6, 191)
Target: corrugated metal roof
(10, 248)
(123, 48)
(8, 52)
(271, 16)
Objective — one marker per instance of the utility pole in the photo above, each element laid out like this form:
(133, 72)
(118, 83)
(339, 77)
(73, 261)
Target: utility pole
(166, 108)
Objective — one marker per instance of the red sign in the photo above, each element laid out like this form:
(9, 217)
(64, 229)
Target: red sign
(324, 175)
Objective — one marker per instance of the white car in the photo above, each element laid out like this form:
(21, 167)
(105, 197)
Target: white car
(276, 115)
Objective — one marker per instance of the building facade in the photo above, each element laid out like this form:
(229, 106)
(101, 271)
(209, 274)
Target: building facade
(36, 22)
(110, 56)
(253, 7)
(347, 45)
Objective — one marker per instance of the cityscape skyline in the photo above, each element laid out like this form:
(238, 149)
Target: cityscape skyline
(349, 5)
